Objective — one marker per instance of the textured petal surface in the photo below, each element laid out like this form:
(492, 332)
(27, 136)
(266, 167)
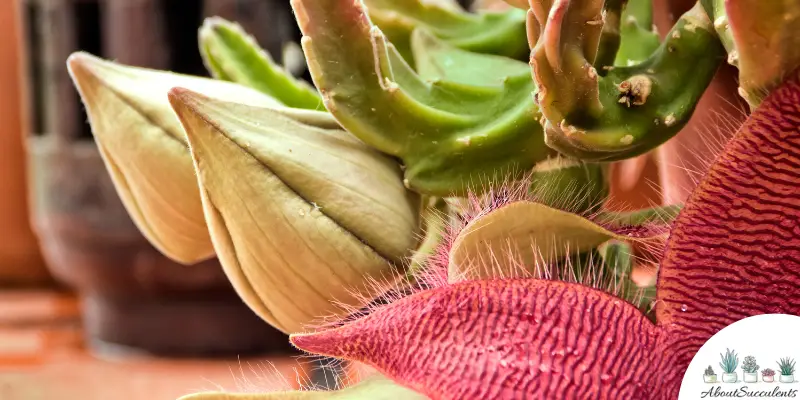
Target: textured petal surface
(502, 339)
(734, 251)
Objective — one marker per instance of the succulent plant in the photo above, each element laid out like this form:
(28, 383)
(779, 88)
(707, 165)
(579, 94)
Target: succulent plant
(595, 110)
(729, 361)
(760, 39)
(749, 365)
(428, 185)
(768, 372)
(786, 366)
(709, 371)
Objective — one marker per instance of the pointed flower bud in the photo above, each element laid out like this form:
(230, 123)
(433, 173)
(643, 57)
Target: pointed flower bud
(145, 150)
(300, 216)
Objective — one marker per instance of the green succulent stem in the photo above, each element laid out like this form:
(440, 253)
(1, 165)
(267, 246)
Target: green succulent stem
(761, 39)
(500, 33)
(716, 12)
(610, 38)
(453, 135)
(230, 54)
(630, 110)
(571, 185)
(434, 218)
(638, 39)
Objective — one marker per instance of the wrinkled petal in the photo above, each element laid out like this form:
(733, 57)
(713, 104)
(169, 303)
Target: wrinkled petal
(734, 250)
(502, 339)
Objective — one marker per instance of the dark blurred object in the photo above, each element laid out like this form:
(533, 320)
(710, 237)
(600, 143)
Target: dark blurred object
(20, 260)
(466, 3)
(132, 296)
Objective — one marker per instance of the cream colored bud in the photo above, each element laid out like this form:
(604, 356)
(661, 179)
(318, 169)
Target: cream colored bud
(300, 216)
(145, 149)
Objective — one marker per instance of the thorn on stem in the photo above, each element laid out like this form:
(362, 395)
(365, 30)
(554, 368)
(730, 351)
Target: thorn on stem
(634, 91)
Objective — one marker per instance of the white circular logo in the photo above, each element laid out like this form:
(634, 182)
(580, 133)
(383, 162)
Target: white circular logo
(757, 357)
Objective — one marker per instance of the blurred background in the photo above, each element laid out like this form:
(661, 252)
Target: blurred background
(88, 309)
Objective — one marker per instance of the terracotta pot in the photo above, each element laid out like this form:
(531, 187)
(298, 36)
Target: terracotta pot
(132, 295)
(20, 259)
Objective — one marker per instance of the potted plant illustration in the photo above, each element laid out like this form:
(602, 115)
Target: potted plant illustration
(768, 375)
(728, 364)
(750, 368)
(786, 366)
(709, 376)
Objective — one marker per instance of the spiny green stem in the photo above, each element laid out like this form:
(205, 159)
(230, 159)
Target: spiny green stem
(631, 110)
(230, 54)
(610, 38)
(452, 135)
(500, 33)
(639, 40)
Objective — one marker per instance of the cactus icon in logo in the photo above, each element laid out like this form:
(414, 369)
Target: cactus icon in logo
(710, 376)
(729, 362)
(786, 366)
(750, 368)
(768, 375)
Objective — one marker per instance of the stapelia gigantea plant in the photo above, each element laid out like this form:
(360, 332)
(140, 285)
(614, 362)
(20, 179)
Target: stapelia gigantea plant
(433, 206)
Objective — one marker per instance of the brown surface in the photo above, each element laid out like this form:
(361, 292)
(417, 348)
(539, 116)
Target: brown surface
(42, 357)
(20, 261)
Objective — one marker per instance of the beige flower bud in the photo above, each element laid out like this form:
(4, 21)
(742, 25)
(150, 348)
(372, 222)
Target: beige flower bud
(301, 216)
(145, 149)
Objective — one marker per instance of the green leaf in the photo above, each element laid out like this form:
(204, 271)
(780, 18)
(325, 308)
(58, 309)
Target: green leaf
(569, 184)
(231, 54)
